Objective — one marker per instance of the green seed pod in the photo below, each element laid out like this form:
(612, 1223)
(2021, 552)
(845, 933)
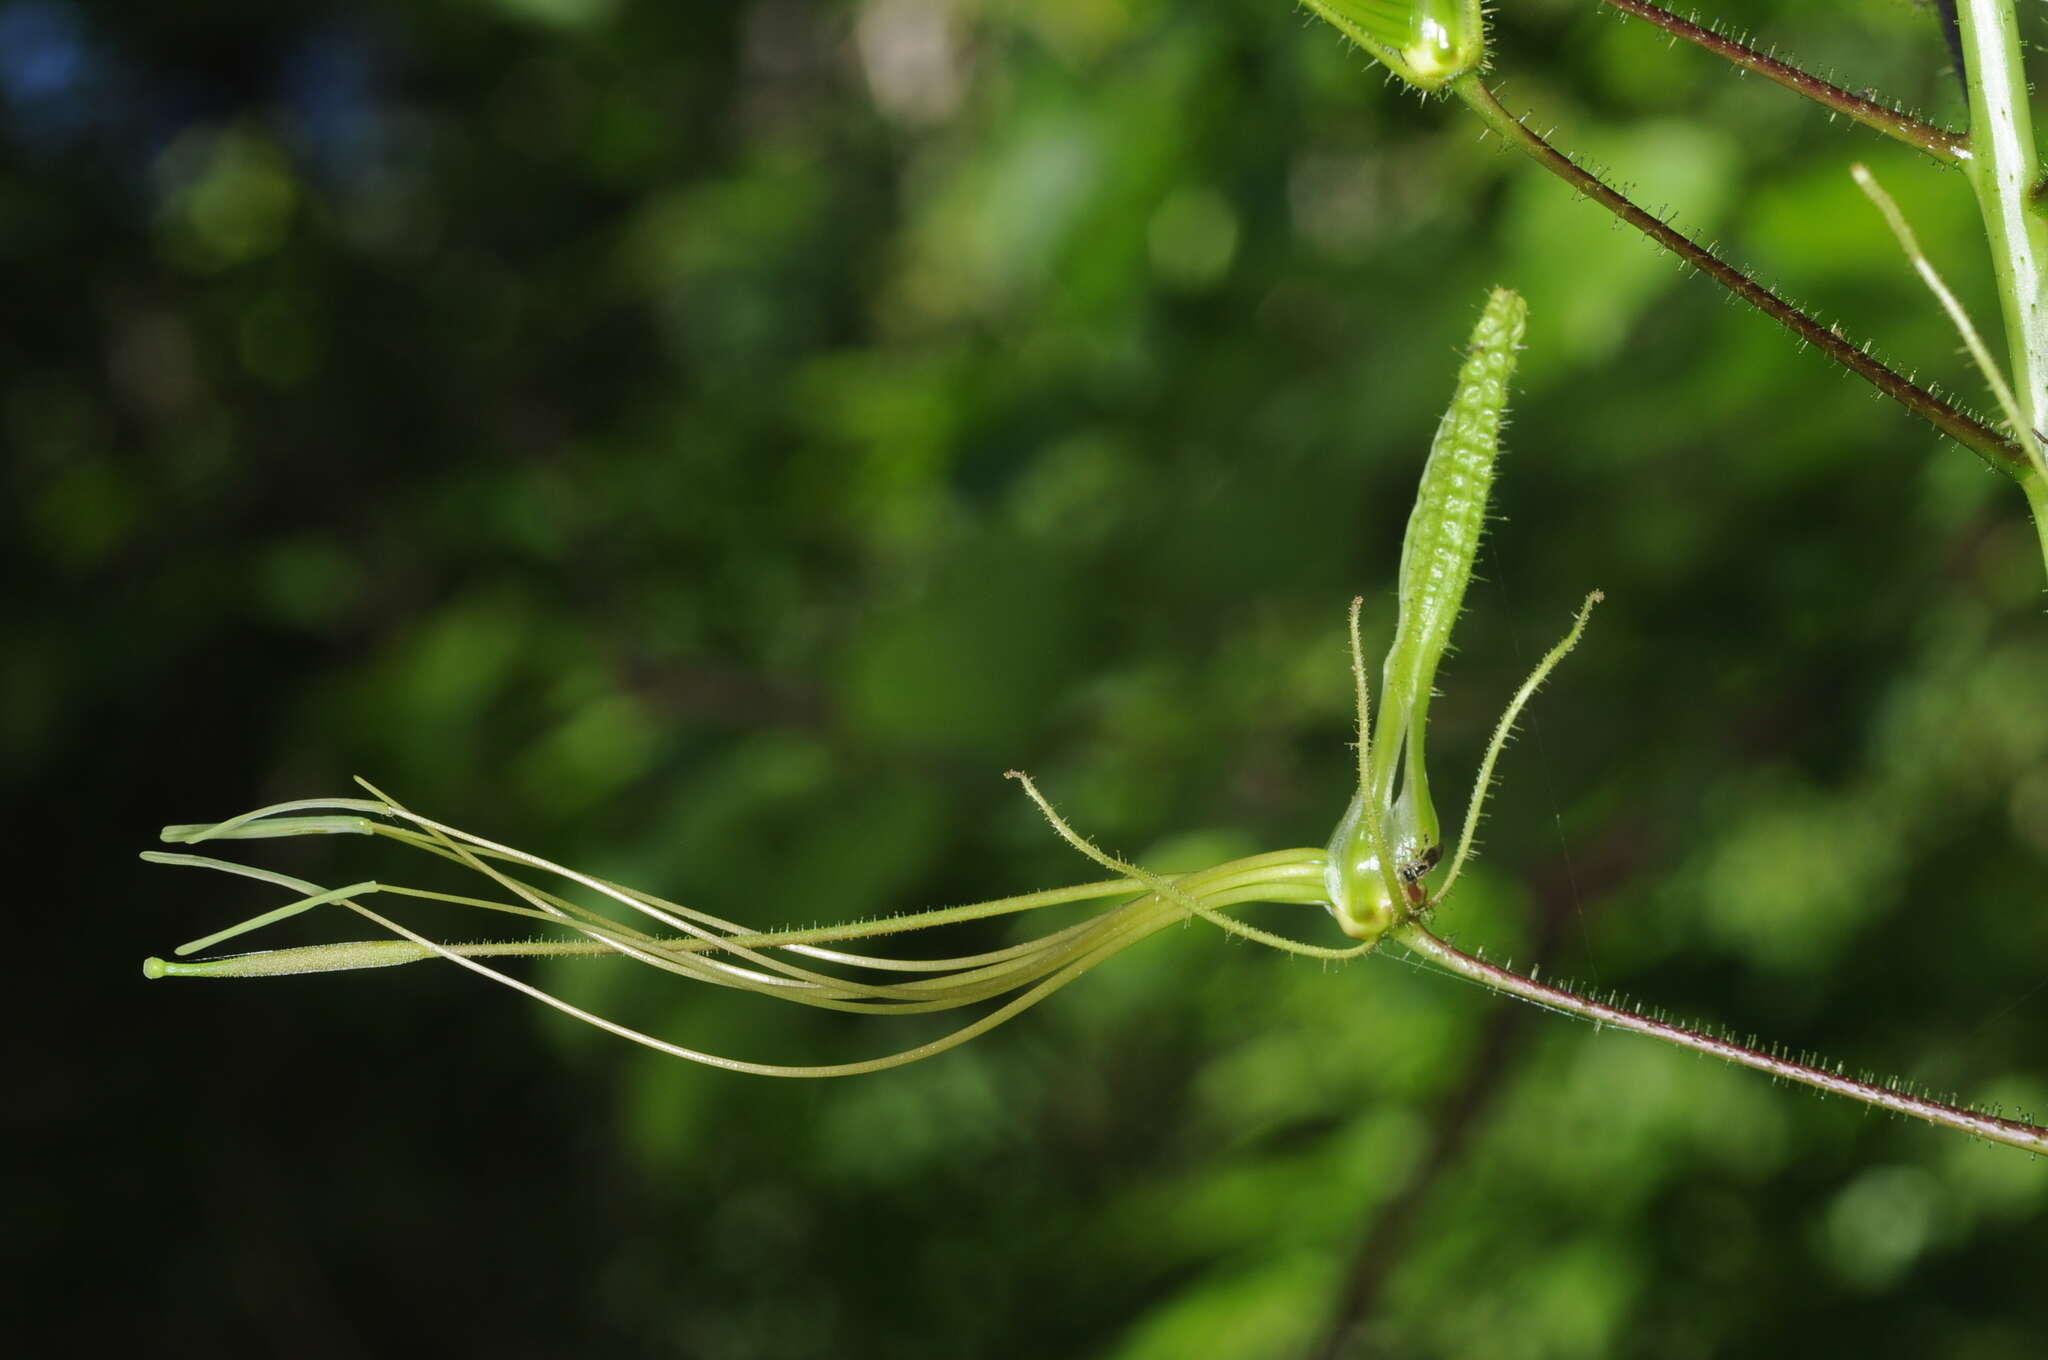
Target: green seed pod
(1443, 536)
(1427, 43)
(1376, 860)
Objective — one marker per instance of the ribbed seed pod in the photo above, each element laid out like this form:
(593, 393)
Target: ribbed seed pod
(1443, 536)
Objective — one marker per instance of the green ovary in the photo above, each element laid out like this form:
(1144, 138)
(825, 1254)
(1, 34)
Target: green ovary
(1353, 881)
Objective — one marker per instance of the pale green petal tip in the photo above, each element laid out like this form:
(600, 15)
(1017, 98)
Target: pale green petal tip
(266, 828)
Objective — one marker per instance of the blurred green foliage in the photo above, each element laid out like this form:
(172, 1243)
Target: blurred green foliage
(706, 443)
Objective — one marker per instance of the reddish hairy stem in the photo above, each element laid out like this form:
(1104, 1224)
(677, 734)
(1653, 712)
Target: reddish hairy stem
(1950, 148)
(2010, 1132)
(1973, 434)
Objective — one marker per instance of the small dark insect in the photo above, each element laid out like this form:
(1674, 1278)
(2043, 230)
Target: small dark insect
(1419, 870)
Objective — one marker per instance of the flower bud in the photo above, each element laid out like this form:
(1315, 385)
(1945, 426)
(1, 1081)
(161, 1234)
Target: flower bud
(1427, 43)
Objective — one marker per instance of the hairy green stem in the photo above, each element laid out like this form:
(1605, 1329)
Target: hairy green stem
(2001, 453)
(1950, 148)
(1492, 976)
(2002, 173)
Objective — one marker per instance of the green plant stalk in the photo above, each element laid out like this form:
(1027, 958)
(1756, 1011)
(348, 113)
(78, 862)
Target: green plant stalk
(1973, 434)
(2002, 172)
(1495, 978)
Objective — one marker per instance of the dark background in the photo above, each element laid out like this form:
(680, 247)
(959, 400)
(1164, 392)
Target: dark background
(707, 443)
